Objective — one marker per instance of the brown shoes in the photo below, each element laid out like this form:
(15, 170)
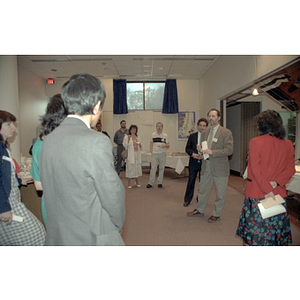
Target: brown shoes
(195, 213)
(213, 219)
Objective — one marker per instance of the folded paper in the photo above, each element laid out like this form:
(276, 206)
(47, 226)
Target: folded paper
(269, 202)
(204, 147)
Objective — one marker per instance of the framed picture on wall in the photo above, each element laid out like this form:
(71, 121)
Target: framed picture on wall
(186, 124)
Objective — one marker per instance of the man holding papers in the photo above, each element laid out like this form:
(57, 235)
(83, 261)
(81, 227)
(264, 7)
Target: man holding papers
(270, 168)
(215, 166)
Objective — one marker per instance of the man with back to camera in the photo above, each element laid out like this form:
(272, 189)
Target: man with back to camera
(215, 169)
(118, 139)
(158, 145)
(84, 196)
(195, 160)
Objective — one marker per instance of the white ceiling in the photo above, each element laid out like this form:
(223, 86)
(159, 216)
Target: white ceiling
(134, 67)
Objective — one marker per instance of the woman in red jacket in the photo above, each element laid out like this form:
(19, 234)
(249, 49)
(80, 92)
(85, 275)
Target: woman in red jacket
(270, 168)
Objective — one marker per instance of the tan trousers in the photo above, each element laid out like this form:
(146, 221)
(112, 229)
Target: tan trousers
(157, 159)
(205, 186)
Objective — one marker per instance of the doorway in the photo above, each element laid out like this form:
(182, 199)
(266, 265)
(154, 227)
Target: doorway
(240, 120)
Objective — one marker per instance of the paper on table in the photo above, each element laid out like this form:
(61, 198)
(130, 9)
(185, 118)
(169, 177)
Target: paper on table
(204, 147)
(269, 202)
(271, 211)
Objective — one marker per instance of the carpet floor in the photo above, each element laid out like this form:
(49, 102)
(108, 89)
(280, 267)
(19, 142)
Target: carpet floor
(156, 216)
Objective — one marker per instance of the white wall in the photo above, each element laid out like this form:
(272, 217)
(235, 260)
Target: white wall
(230, 73)
(9, 98)
(188, 98)
(33, 102)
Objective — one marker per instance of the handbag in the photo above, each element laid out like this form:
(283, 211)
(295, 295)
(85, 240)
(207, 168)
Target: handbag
(124, 154)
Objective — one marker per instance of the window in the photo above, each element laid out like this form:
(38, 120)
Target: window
(145, 95)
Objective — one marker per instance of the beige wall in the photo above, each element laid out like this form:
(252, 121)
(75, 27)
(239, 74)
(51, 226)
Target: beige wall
(9, 98)
(33, 101)
(228, 74)
(188, 97)
(231, 73)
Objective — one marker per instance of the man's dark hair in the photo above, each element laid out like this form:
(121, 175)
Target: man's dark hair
(202, 120)
(81, 93)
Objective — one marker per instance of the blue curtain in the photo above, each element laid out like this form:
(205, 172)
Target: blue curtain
(120, 97)
(170, 104)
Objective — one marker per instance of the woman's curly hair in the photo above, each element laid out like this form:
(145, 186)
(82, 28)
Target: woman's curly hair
(6, 116)
(133, 126)
(55, 114)
(270, 122)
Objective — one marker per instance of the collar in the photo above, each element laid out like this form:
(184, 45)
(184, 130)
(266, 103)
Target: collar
(216, 128)
(80, 118)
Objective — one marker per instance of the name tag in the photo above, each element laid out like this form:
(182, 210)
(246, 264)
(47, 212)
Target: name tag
(215, 140)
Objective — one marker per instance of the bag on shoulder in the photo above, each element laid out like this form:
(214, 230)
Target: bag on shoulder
(124, 154)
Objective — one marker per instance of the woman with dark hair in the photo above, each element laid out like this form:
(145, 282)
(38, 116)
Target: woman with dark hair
(55, 114)
(270, 168)
(29, 231)
(132, 144)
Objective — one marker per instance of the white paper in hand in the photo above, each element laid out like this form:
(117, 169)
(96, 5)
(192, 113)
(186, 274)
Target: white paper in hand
(17, 218)
(204, 147)
(271, 211)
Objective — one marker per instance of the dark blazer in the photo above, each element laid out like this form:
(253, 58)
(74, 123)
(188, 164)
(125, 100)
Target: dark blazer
(191, 147)
(5, 179)
(270, 159)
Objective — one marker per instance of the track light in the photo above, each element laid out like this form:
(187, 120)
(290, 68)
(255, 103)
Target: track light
(255, 92)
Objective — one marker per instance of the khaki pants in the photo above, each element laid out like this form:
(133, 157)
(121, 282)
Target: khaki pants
(157, 159)
(205, 186)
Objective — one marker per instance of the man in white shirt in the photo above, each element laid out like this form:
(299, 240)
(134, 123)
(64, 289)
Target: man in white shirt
(158, 145)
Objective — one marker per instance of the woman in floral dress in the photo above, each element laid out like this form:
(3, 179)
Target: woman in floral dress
(270, 168)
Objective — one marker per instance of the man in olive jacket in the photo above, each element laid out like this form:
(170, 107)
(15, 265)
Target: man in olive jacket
(215, 169)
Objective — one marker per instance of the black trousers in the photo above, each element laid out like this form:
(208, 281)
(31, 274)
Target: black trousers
(194, 168)
(120, 149)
